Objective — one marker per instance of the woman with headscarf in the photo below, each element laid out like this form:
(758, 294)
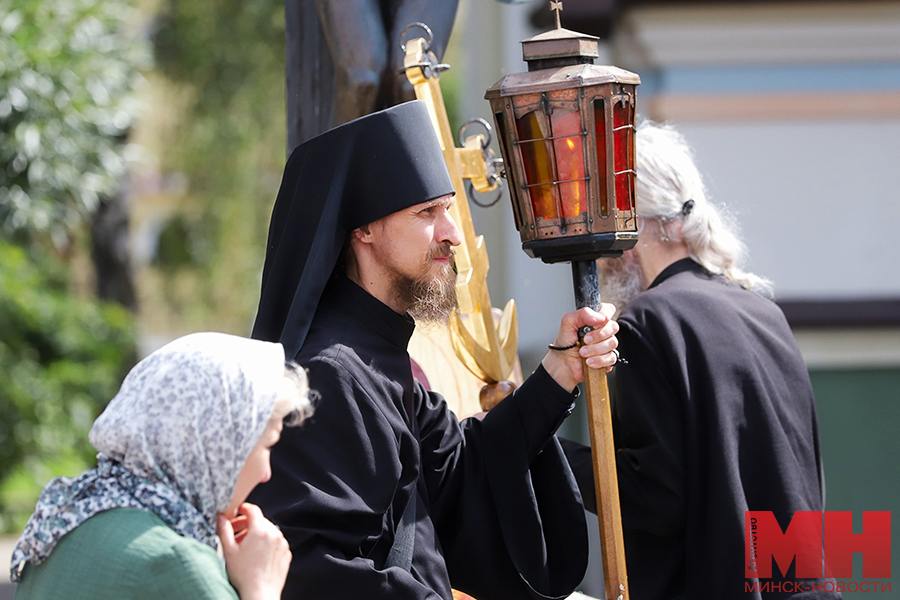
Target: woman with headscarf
(180, 447)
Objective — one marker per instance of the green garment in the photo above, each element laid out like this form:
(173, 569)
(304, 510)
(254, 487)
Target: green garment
(127, 554)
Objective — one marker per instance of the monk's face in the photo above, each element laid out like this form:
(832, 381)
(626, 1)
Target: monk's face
(414, 247)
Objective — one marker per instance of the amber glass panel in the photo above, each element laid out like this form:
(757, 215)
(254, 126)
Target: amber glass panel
(623, 125)
(602, 168)
(538, 163)
(568, 146)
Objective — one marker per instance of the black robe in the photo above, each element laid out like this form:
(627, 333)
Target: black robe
(498, 513)
(713, 415)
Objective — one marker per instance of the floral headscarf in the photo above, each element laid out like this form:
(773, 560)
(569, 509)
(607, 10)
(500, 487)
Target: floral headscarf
(172, 441)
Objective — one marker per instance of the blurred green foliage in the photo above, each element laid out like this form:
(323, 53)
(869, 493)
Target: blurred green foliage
(177, 246)
(61, 359)
(67, 71)
(67, 74)
(227, 58)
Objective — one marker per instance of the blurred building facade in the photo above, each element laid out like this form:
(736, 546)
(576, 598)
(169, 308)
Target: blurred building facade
(793, 109)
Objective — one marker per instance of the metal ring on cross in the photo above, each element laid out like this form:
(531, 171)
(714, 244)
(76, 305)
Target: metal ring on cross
(487, 130)
(428, 40)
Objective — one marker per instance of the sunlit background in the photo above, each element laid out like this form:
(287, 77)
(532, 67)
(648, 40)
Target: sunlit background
(141, 148)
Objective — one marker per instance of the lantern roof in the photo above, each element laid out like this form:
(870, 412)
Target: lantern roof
(561, 44)
(573, 76)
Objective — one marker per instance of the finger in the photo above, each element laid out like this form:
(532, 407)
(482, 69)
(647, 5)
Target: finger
(600, 360)
(258, 525)
(582, 316)
(600, 348)
(239, 523)
(589, 316)
(605, 361)
(251, 512)
(225, 533)
(571, 324)
(603, 334)
(607, 309)
(596, 336)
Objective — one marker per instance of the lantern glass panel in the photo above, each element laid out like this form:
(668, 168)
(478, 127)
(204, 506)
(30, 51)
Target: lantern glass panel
(623, 136)
(600, 135)
(500, 120)
(537, 158)
(568, 146)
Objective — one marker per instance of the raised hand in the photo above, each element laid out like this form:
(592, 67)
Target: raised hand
(257, 557)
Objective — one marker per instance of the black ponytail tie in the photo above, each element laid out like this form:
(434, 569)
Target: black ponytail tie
(686, 208)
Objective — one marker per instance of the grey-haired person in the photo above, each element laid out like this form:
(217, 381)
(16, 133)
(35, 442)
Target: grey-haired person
(713, 411)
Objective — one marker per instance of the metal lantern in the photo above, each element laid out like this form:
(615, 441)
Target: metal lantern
(566, 131)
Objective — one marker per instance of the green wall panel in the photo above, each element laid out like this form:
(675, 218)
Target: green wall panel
(859, 413)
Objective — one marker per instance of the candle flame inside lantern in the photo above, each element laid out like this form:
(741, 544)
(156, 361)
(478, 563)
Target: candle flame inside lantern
(569, 156)
(553, 156)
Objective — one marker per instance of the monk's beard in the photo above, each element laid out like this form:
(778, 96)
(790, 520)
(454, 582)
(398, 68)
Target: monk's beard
(621, 280)
(430, 298)
(434, 298)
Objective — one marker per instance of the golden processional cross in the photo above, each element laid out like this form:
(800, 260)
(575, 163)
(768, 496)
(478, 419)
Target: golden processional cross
(486, 348)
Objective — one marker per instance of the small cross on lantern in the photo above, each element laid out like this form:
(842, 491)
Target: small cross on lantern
(557, 6)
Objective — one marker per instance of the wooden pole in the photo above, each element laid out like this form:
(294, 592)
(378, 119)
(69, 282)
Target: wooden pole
(603, 451)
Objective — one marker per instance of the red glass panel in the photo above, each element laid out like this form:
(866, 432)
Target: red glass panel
(568, 146)
(623, 149)
(538, 164)
(602, 167)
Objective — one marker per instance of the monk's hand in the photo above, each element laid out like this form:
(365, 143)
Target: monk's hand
(596, 347)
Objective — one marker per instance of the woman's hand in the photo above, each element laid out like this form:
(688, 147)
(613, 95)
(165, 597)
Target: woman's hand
(565, 366)
(257, 557)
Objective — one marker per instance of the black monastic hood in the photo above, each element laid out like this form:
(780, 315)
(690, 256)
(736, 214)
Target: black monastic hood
(347, 177)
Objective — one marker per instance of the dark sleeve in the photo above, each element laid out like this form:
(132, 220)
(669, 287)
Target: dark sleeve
(579, 458)
(648, 434)
(648, 427)
(506, 507)
(333, 482)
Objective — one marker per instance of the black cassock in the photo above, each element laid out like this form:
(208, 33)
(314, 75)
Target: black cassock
(498, 513)
(713, 415)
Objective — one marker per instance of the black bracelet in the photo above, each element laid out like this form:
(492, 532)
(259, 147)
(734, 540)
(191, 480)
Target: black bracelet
(562, 348)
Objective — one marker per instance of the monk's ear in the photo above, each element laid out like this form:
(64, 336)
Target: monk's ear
(362, 234)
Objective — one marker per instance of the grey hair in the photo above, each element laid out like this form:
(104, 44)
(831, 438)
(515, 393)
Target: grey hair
(667, 180)
(295, 401)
